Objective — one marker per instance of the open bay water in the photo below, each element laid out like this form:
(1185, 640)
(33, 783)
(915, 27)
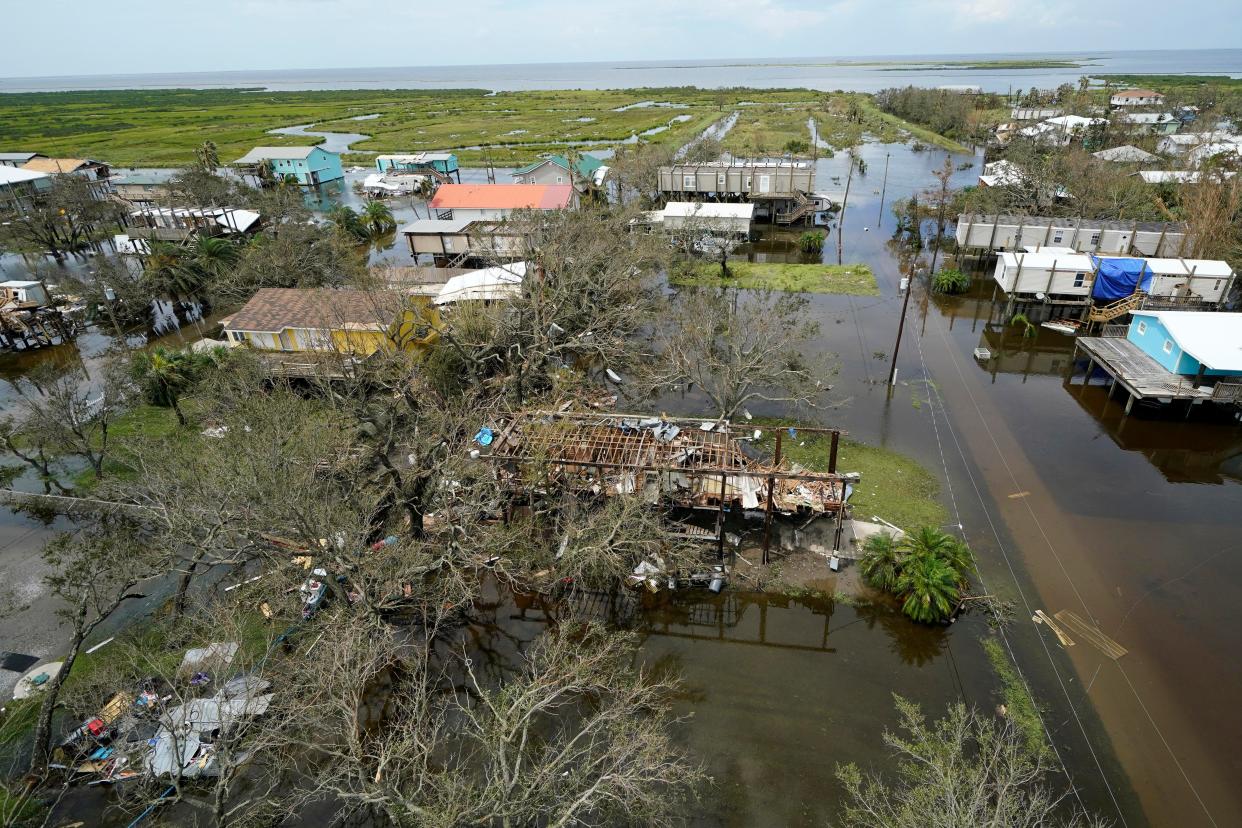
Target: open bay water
(857, 74)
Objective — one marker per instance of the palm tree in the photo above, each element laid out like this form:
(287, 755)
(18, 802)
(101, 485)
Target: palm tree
(165, 374)
(347, 221)
(929, 587)
(931, 542)
(881, 561)
(377, 218)
(208, 156)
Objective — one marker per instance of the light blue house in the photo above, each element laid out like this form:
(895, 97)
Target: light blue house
(419, 163)
(309, 166)
(1194, 344)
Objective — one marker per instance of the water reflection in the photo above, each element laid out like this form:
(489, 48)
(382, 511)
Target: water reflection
(1204, 447)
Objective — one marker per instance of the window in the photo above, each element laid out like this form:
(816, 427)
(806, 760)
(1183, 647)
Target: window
(560, 180)
(1095, 238)
(1079, 279)
(1168, 346)
(748, 180)
(1141, 327)
(1058, 236)
(688, 182)
(720, 181)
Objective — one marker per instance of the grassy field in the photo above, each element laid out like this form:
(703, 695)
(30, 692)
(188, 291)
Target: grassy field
(854, 280)
(163, 127)
(986, 65)
(765, 130)
(157, 128)
(1166, 82)
(841, 121)
(873, 114)
(892, 485)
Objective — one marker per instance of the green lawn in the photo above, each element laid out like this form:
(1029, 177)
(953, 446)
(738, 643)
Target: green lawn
(854, 280)
(892, 485)
(144, 421)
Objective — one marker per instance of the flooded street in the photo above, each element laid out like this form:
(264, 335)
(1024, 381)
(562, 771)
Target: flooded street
(1133, 523)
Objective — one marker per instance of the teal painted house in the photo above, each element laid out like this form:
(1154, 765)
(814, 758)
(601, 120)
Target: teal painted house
(309, 166)
(420, 163)
(1194, 344)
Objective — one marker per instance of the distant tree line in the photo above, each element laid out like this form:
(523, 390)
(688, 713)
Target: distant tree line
(945, 111)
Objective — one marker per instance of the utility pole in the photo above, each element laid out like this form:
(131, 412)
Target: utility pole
(883, 189)
(901, 325)
(844, 202)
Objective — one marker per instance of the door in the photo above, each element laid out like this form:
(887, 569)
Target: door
(765, 183)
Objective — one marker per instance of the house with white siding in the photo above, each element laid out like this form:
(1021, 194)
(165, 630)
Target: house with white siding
(1135, 97)
(1102, 236)
(1068, 278)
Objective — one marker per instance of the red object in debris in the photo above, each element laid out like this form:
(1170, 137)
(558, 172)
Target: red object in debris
(95, 726)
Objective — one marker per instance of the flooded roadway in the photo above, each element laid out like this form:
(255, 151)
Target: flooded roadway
(1134, 523)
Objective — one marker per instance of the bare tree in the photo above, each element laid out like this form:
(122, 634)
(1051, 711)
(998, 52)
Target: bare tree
(94, 571)
(589, 289)
(577, 737)
(1212, 207)
(65, 413)
(756, 352)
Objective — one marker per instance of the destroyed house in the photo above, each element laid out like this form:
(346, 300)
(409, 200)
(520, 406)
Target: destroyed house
(683, 463)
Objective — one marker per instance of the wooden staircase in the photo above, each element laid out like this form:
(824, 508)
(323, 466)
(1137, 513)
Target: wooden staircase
(803, 207)
(1111, 311)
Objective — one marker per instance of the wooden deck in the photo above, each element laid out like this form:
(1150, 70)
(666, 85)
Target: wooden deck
(1138, 373)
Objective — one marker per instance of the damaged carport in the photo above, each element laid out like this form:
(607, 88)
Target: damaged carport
(677, 462)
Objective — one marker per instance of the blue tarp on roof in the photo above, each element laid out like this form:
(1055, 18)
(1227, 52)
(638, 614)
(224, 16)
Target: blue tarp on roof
(1118, 278)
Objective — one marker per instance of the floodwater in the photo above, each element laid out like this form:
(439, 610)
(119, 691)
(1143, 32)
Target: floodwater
(1130, 522)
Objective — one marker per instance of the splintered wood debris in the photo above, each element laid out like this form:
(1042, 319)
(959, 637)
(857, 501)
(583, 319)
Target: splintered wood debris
(680, 462)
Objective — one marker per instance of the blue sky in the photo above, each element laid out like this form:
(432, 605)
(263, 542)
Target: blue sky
(121, 36)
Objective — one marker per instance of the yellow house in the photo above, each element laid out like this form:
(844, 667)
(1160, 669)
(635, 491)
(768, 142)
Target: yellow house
(341, 320)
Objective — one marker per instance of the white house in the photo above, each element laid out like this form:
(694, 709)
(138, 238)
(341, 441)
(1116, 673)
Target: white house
(1203, 152)
(729, 219)
(1061, 130)
(1152, 123)
(1183, 142)
(18, 185)
(1125, 154)
(17, 159)
(1104, 236)
(1136, 97)
(490, 284)
(1055, 276)
(1031, 113)
(1174, 176)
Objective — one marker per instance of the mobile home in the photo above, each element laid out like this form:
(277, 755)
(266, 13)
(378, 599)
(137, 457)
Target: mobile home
(1071, 278)
(1016, 233)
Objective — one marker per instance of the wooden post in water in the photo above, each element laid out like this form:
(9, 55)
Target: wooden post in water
(767, 518)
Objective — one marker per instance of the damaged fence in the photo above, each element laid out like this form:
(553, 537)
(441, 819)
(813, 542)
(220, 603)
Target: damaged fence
(675, 462)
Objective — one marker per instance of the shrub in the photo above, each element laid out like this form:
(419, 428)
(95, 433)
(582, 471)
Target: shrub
(950, 280)
(812, 241)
